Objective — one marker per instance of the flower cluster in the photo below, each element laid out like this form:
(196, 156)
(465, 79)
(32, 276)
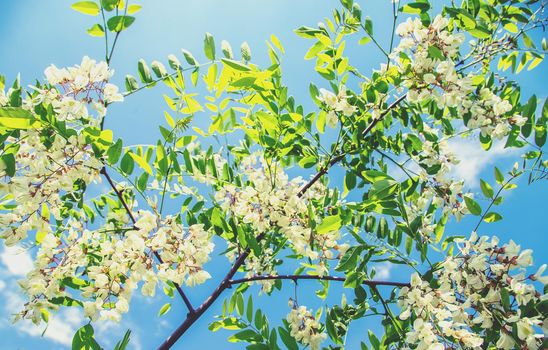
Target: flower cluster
(440, 189)
(304, 327)
(425, 56)
(481, 287)
(426, 59)
(107, 265)
(270, 202)
(48, 163)
(262, 265)
(73, 88)
(488, 114)
(336, 104)
(183, 252)
(44, 171)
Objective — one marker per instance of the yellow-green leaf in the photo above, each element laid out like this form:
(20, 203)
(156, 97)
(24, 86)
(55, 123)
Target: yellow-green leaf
(131, 9)
(96, 30)
(17, 118)
(165, 309)
(86, 7)
(329, 223)
(141, 162)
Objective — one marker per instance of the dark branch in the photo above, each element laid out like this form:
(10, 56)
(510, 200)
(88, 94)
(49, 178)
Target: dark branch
(338, 158)
(193, 317)
(103, 171)
(322, 278)
(227, 282)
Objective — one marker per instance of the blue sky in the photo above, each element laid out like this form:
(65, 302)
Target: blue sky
(38, 33)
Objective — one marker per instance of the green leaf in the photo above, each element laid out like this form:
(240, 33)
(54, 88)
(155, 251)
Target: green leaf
(8, 161)
(17, 118)
(364, 40)
(86, 7)
(415, 7)
(434, 52)
(249, 309)
(287, 339)
(486, 189)
(314, 50)
(164, 309)
(189, 58)
(127, 164)
(209, 46)
(122, 344)
(480, 32)
(144, 72)
(84, 340)
(114, 152)
(96, 30)
(498, 176)
(119, 23)
(246, 335)
(352, 280)
(472, 206)
(109, 5)
(235, 65)
(141, 162)
(492, 217)
(528, 111)
(375, 343)
(329, 224)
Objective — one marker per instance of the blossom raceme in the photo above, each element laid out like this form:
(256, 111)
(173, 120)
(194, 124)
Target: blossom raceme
(271, 203)
(304, 327)
(484, 285)
(336, 104)
(106, 268)
(48, 162)
(428, 57)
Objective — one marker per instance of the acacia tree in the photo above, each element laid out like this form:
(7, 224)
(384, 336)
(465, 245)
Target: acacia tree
(446, 75)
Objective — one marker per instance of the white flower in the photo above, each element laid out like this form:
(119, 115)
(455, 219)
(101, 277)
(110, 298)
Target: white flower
(327, 97)
(505, 341)
(111, 93)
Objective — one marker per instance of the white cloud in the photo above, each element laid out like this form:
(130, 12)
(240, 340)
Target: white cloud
(17, 260)
(383, 270)
(474, 159)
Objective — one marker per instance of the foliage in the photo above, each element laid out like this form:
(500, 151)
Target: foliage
(446, 75)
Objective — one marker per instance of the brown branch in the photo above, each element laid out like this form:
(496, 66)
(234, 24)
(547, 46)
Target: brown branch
(227, 282)
(193, 317)
(321, 278)
(103, 171)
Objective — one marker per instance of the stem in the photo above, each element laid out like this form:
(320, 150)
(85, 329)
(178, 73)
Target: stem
(502, 187)
(388, 312)
(127, 93)
(106, 33)
(103, 172)
(117, 34)
(374, 40)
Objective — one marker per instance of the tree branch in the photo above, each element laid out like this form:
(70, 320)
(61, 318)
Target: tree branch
(103, 172)
(311, 277)
(338, 158)
(193, 317)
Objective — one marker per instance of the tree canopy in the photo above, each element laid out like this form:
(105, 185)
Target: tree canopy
(446, 74)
